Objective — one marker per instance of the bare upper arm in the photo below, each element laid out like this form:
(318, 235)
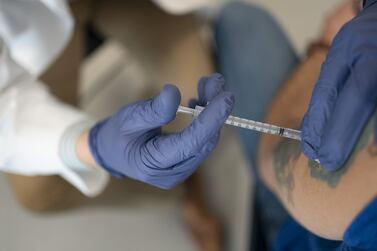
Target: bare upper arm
(325, 203)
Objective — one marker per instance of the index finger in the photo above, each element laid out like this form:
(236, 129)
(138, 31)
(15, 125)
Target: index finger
(334, 74)
(174, 148)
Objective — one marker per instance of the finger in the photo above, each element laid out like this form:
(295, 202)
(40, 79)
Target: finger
(169, 150)
(207, 124)
(353, 109)
(334, 73)
(169, 176)
(210, 87)
(201, 91)
(146, 115)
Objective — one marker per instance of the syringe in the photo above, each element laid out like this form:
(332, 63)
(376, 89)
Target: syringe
(249, 124)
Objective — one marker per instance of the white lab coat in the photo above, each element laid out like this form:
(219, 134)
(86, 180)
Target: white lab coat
(32, 34)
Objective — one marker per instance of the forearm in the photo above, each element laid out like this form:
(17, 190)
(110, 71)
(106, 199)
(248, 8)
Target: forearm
(83, 151)
(312, 195)
(32, 137)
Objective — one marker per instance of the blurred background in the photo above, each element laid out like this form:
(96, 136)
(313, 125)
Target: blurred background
(131, 49)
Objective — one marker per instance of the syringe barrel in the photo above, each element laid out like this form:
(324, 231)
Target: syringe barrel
(185, 110)
(250, 124)
(264, 127)
(292, 134)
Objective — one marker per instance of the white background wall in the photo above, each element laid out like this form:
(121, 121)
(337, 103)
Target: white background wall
(300, 18)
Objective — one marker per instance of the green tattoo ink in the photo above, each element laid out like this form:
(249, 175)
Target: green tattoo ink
(285, 154)
(333, 178)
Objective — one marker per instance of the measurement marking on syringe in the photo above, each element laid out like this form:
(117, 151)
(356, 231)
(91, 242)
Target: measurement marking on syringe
(281, 131)
(249, 124)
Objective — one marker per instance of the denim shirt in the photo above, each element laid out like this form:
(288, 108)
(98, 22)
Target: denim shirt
(361, 235)
(367, 3)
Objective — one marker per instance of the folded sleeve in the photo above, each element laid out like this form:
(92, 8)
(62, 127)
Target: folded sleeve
(32, 123)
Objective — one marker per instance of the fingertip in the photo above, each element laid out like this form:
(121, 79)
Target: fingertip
(209, 87)
(170, 89)
(170, 96)
(331, 157)
(308, 150)
(201, 90)
(229, 98)
(215, 84)
(218, 76)
(308, 147)
(221, 106)
(168, 102)
(311, 132)
(328, 162)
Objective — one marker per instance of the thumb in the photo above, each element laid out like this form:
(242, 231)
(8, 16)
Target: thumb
(198, 139)
(152, 113)
(164, 106)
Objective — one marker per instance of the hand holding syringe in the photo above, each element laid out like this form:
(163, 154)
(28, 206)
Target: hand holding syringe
(249, 124)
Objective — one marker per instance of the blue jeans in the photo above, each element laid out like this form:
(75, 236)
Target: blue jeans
(255, 57)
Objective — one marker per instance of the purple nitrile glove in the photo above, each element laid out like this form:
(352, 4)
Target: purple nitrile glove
(345, 95)
(131, 143)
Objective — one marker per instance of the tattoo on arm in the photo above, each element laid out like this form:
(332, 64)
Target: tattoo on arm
(333, 178)
(287, 152)
(285, 156)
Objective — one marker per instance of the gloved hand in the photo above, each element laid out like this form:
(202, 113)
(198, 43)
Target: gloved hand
(346, 93)
(131, 142)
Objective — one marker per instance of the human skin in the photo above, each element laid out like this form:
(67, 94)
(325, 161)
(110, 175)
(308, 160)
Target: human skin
(337, 17)
(323, 202)
(83, 151)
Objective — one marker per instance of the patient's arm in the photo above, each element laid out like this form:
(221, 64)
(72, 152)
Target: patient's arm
(325, 203)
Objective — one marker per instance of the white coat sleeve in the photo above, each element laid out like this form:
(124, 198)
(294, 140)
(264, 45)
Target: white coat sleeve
(32, 125)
